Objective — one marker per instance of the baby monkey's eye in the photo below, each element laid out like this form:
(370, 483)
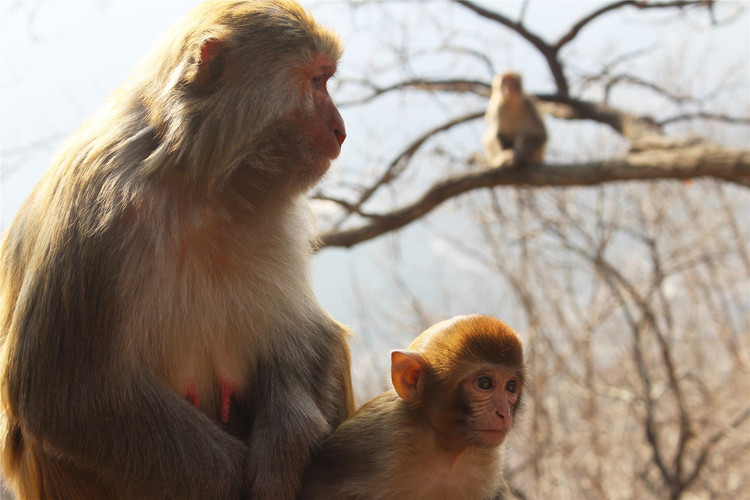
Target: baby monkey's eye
(485, 383)
(511, 386)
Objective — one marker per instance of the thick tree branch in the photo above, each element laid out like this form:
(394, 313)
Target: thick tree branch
(567, 108)
(678, 163)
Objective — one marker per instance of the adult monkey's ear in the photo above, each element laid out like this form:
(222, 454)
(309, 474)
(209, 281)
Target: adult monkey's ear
(211, 62)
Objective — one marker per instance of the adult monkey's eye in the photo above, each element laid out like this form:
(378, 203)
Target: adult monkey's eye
(318, 82)
(511, 386)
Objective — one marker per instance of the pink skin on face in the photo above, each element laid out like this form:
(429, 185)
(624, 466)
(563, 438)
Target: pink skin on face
(493, 394)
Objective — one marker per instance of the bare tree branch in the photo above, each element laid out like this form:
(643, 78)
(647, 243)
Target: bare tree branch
(594, 251)
(454, 85)
(710, 444)
(557, 105)
(397, 166)
(638, 4)
(563, 107)
(549, 52)
(679, 163)
(577, 27)
(702, 115)
(613, 80)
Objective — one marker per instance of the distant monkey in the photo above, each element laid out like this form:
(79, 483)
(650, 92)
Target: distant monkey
(438, 434)
(515, 134)
(159, 335)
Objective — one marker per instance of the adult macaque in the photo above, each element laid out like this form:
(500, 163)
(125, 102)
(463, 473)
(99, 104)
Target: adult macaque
(515, 132)
(438, 434)
(160, 338)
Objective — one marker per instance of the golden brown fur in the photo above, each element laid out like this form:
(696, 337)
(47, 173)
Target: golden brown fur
(428, 438)
(515, 133)
(164, 257)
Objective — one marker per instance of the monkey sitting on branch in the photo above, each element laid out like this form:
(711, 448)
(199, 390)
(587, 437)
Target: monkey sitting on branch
(438, 434)
(515, 134)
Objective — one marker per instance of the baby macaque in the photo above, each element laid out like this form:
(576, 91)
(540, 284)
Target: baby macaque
(438, 434)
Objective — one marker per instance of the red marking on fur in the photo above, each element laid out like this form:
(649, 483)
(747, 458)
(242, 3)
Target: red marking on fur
(191, 393)
(227, 388)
